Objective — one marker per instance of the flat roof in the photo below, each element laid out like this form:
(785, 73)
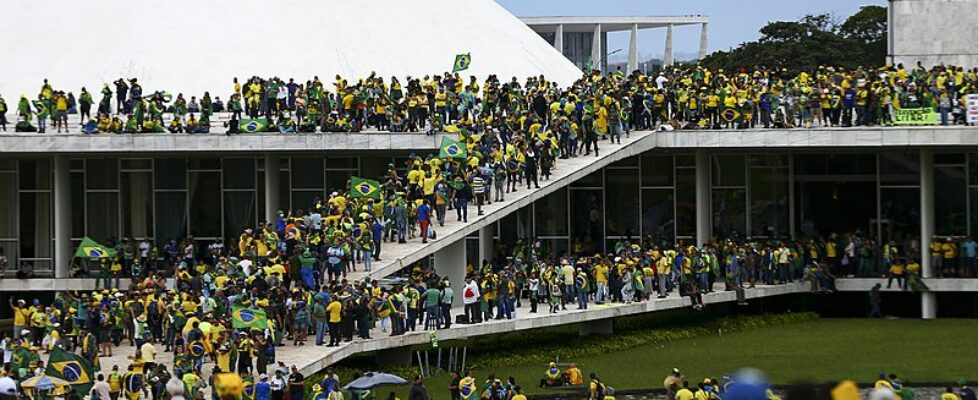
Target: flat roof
(33, 144)
(610, 23)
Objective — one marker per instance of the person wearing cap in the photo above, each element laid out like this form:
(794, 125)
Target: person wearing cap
(597, 389)
(673, 381)
(22, 315)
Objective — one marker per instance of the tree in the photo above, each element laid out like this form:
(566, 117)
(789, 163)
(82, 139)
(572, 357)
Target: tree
(812, 41)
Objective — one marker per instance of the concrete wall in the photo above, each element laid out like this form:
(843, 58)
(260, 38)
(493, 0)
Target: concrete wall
(934, 32)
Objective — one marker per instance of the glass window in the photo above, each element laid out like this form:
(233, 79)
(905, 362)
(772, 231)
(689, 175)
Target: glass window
(685, 160)
(307, 173)
(973, 167)
(769, 202)
(899, 168)
(900, 214)
(171, 173)
(239, 173)
(657, 214)
(657, 170)
(101, 174)
(768, 160)
(35, 225)
(205, 204)
(507, 230)
(587, 219)
(729, 209)
(626, 162)
(551, 214)
(8, 250)
(103, 215)
(338, 181)
(622, 217)
(137, 163)
(137, 204)
(974, 212)
(284, 191)
(728, 170)
(949, 158)
(835, 164)
(686, 202)
(171, 216)
(341, 162)
(239, 212)
(305, 199)
(77, 204)
(595, 179)
(950, 200)
(209, 164)
(554, 248)
(8, 164)
(8, 198)
(35, 174)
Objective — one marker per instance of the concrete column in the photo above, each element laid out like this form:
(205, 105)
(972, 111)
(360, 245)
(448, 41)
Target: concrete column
(667, 58)
(703, 223)
(272, 187)
(928, 300)
(597, 327)
(487, 244)
(704, 43)
(559, 38)
(597, 53)
(62, 216)
(633, 50)
(450, 262)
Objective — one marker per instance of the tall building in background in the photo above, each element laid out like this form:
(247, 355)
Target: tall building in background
(584, 40)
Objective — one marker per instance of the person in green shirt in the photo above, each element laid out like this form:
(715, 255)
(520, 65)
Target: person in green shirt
(431, 298)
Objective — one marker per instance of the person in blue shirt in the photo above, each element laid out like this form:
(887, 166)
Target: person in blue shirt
(263, 390)
(970, 250)
(424, 219)
(377, 230)
(848, 103)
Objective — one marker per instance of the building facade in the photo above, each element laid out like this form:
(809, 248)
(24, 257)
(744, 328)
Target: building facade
(751, 193)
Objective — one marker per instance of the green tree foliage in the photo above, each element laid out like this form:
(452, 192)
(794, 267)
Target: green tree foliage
(812, 41)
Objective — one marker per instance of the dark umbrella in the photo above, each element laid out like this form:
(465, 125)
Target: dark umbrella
(372, 379)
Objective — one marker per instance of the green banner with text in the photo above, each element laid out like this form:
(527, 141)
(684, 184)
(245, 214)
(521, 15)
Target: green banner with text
(914, 116)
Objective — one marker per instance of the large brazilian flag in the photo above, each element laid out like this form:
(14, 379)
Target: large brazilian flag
(73, 368)
(248, 318)
(253, 125)
(364, 188)
(451, 148)
(92, 249)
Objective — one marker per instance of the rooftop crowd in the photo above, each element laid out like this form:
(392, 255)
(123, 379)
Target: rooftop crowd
(689, 97)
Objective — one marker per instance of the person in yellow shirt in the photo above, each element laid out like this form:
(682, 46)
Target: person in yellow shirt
(685, 393)
(334, 309)
(949, 394)
(949, 250)
(21, 315)
(896, 271)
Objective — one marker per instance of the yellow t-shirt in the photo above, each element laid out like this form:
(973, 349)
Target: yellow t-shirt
(684, 394)
(334, 309)
(21, 315)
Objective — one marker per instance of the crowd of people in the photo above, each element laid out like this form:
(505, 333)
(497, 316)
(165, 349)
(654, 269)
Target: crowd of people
(688, 97)
(230, 307)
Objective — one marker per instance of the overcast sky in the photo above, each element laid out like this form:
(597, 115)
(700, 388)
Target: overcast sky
(731, 21)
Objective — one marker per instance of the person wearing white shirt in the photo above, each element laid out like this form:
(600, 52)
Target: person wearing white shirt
(470, 297)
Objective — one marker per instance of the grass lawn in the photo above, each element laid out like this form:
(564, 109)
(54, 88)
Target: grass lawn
(826, 350)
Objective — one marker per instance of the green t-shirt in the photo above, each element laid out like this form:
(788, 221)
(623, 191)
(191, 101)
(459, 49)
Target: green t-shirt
(432, 297)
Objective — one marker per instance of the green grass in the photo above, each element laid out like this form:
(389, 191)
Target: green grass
(822, 351)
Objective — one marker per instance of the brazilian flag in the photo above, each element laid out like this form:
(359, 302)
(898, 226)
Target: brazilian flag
(92, 249)
(247, 318)
(364, 188)
(253, 125)
(248, 392)
(451, 148)
(462, 62)
(197, 349)
(73, 368)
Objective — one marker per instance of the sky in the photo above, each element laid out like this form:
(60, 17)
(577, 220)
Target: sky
(732, 22)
